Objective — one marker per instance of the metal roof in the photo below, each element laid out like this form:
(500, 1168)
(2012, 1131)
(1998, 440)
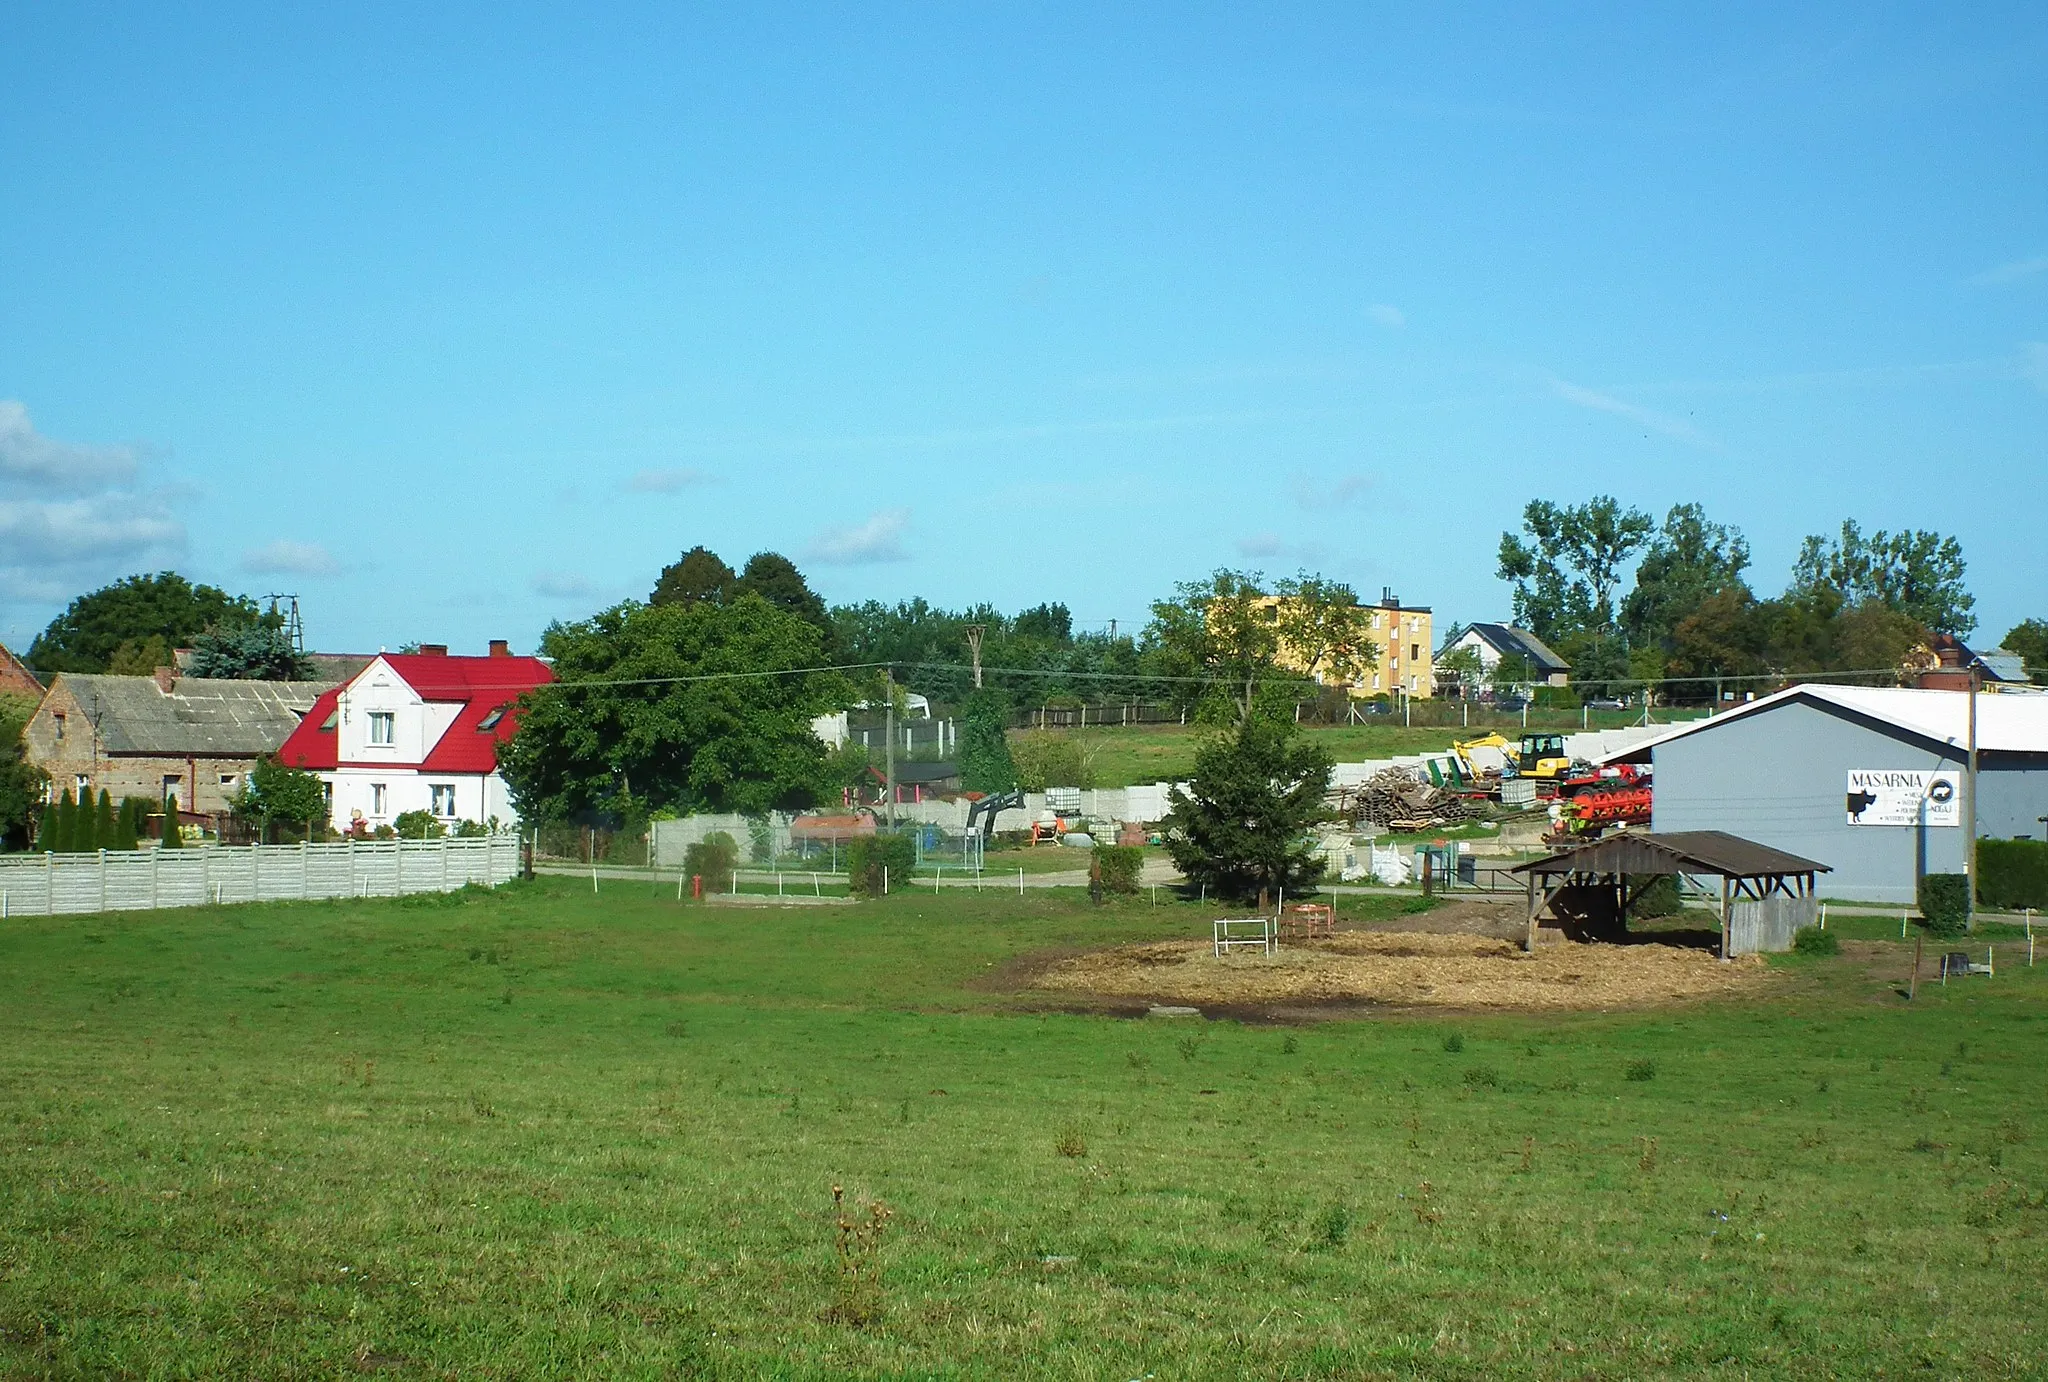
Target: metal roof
(199, 715)
(1675, 851)
(2007, 722)
(1510, 641)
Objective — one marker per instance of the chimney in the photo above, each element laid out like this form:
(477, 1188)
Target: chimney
(433, 650)
(1387, 599)
(500, 648)
(166, 679)
(1949, 672)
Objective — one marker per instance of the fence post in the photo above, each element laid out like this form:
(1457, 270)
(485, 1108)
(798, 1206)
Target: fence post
(305, 868)
(103, 880)
(50, 883)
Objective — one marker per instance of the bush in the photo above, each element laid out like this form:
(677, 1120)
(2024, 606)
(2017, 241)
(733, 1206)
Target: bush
(2012, 873)
(1945, 903)
(1045, 759)
(876, 862)
(1120, 867)
(1640, 1071)
(713, 859)
(1811, 940)
(419, 825)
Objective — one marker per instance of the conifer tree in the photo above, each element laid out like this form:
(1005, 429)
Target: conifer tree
(103, 823)
(60, 823)
(174, 838)
(127, 821)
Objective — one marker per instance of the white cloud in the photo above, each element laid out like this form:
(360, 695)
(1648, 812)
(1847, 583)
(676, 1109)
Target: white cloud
(31, 460)
(1677, 428)
(879, 539)
(2034, 364)
(667, 481)
(564, 585)
(1319, 492)
(1387, 315)
(2011, 273)
(287, 558)
(1261, 545)
(105, 527)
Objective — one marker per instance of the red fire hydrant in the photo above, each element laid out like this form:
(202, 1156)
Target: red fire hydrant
(697, 886)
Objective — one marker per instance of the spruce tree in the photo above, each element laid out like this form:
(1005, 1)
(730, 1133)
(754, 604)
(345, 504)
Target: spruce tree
(985, 762)
(174, 838)
(125, 823)
(1244, 826)
(57, 825)
(103, 823)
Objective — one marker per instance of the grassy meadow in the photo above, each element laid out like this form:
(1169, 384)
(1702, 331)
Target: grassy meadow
(541, 1134)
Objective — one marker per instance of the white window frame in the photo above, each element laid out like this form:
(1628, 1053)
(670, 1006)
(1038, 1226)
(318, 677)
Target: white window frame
(378, 799)
(387, 721)
(435, 798)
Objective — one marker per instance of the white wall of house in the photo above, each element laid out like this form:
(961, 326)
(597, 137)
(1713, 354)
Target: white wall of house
(380, 795)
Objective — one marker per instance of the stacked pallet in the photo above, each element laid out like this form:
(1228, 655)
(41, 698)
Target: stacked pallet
(1397, 799)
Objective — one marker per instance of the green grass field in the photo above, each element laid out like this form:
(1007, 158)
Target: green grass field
(537, 1134)
(1166, 753)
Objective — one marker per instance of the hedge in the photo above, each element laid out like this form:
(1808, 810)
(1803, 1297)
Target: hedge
(2012, 873)
(1120, 867)
(1945, 902)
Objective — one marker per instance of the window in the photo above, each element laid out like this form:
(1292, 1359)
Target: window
(227, 779)
(85, 783)
(327, 725)
(1415, 652)
(60, 727)
(376, 798)
(443, 798)
(383, 727)
(490, 721)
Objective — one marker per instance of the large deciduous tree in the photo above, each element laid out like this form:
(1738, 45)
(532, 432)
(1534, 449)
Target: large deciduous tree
(21, 782)
(1237, 647)
(2030, 640)
(134, 611)
(664, 705)
(1242, 827)
(1689, 561)
(699, 576)
(775, 579)
(1566, 571)
(274, 794)
(1914, 572)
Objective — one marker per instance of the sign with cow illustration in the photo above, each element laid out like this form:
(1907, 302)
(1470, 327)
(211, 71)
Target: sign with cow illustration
(1905, 796)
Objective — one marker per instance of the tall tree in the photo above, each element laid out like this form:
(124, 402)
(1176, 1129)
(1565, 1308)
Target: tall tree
(85, 637)
(1566, 571)
(60, 824)
(1052, 623)
(775, 579)
(1913, 571)
(1689, 561)
(2030, 640)
(1236, 646)
(103, 822)
(625, 728)
(985, 761)
(1324, 631)
(273, 794)
(22, 784)
(1242, 826)
(696, 577)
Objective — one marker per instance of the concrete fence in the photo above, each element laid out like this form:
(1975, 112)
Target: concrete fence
(123, 880)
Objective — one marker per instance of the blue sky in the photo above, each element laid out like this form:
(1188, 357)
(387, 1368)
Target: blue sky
(457, 321)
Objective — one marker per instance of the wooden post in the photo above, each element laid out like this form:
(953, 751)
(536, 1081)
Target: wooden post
(1913, 980)
(1531, 947)
(1724, 919)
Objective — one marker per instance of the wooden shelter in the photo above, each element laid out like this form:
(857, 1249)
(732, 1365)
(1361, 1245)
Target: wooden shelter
(1766, 894)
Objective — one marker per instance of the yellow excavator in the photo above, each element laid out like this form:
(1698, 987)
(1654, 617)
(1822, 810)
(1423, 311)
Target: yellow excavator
(1538, 755)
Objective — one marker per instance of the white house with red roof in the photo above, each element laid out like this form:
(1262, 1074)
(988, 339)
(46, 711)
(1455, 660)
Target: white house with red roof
(417, 732)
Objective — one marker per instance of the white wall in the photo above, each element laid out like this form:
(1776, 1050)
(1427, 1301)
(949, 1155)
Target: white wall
(478, 797)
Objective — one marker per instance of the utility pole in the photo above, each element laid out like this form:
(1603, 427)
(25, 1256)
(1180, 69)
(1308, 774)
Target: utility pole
(889, 742)
(1970, 808)
(974, 633)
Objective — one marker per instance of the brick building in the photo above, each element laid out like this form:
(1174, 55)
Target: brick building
(16, 679)
(150, 736)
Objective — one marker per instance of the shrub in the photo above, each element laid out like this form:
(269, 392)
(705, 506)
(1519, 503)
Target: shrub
(1070, 1143)
(875, 862)
(1482, 1075)
(1811, 940)
(713, 859)
(2012, 873)
(1945, 903)
(1454, 1042)
(1639, 1071)
(419, 825)
(1120, 866)
(1045, 759)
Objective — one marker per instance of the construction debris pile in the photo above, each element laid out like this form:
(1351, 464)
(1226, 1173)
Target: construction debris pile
(1396, 799)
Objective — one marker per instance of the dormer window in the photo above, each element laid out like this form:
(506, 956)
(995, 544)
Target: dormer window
(490, 721)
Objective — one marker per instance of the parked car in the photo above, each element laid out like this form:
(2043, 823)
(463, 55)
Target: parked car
(1512, 704)
(1607, 703)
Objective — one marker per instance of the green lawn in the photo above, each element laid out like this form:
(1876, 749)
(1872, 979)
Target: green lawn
(1166, 753)
(539, 1134)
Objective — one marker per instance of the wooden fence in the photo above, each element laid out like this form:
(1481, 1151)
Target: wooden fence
(1766, 925)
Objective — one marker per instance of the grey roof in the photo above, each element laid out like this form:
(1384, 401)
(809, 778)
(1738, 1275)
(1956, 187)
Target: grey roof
(2002, 664)
(1510, 641)
(1674, 851)
(200, 715)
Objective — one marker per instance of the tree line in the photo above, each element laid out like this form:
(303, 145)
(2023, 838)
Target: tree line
(1857, 603)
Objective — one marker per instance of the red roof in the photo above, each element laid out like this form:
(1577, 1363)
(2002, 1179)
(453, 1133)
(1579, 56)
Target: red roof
(481, 684)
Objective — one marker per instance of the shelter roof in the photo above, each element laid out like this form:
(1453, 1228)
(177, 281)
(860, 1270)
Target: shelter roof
(2010, 722)
(197, 715)
(1675, 851)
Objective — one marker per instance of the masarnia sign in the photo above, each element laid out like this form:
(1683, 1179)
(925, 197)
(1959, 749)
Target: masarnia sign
(1905, 796)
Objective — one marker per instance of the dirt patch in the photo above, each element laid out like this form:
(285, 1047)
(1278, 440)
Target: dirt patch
(1407, 968)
